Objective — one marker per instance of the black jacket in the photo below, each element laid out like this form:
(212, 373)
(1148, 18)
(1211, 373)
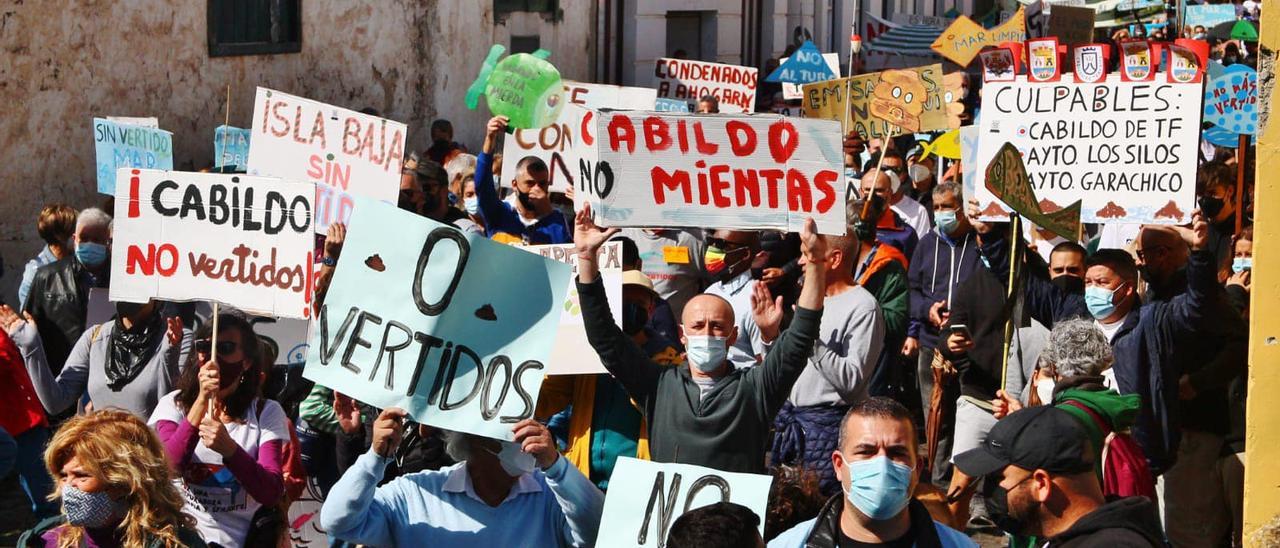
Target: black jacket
(1122, 523)
(826, 528)
(59, 301)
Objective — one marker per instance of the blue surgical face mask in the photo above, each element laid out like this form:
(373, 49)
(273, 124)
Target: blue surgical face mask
(1241, 263)
(92, 510)
(91, 253)
(472, 205)
(706, 353)
(946, 219)
(879, 487)
(1098, 299)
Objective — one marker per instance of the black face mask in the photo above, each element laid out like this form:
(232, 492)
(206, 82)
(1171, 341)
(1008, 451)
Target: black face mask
(1211, 206)
(525, 200)
(1069, 284)
(997, 502)
(634, 318)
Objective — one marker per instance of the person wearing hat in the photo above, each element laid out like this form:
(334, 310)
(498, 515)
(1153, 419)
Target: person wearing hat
(1040, 481)
(604, 423)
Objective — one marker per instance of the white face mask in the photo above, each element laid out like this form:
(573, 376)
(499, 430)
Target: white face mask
(920, 172)
(1044, 389)
(706, 352)
(514, 461)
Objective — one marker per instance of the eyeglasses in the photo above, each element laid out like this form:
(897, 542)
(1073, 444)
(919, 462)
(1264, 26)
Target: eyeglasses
(203, 346)
(721, 243)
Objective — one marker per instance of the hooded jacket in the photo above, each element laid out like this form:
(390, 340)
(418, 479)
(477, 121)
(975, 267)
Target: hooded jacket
(823, 531)
(892, 230)
(938, 267)
(1122, 523)
(885, 277)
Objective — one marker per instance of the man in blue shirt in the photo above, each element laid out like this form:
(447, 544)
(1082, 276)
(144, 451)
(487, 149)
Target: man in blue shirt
(531, 219)
(517, 493)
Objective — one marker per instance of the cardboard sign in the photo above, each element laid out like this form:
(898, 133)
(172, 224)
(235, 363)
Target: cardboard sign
(750, 172)
(1090, 63)
(954, 91)
(556, 143)
(345, 153)
(645, 498)
(230, 147)
(805, 66)
(1208, 15)
(849, 101)
(458, 332)
(1007, 179)
(1127, 149)
(1231, 100)
(119, 145)
(969, 139)
(1042, 55)
(142, 121)
(572, 354)
(291, 339)
(1072, 25)
(791, 92)
(240, 240)
(962, 41)
(662, 104)
(733, 85)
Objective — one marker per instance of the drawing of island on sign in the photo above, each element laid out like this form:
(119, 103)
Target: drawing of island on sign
(1047, 206)
(1171, 211)
(1111, 211)
(994, 209)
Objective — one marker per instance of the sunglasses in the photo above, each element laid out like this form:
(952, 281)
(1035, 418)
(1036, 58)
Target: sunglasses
(721, 243)
(204, 346)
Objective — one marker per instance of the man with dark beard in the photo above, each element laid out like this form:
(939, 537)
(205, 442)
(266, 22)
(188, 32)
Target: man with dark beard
(1040, 466)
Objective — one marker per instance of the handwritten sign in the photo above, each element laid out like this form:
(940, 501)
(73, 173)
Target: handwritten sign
(230, 147)
(733, 85)
(1231, 100)
(1007, 179)
(662, 104)
(1127, 150)
(144, 121)
(805, 66)
(556, 144)
(345, 153)
(792, 91)
(645, 498)
(759, 171)
(120, 145)
(240, 240)
(572, 353)
(1208, 15)
(962, 41)
(458, 332)
(850, 101)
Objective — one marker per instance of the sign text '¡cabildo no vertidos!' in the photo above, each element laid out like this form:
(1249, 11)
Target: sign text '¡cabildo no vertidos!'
(721, 184)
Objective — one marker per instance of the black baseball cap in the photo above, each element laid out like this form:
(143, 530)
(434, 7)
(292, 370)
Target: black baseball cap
(1036, 438)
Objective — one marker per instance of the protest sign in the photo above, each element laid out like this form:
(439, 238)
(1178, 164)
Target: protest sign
(733, 85)
(805, 66)
(830, 100)
(1137, 63)
(749, 172)
(662, 104)
(645, 498)
(345, 153)
(1072, 25)
(524, 87)
(119, 145)
(240, 240)
(1090, 63)
(914, 20)
(969, 138)
(142, 121)
(290, 337)
(1231, 100)
(470, 321)
(954, 90)
(572, 354)
(230, 147)
(556, 143)
(791, 91)
(998, 65)
(1006, 178)
(962, 41)
(1208, 15)
(1225, 138)
(1128, 150)
(1042, 55)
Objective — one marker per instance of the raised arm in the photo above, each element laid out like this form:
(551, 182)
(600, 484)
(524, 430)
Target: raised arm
(1188, 309)
(56, 394)
(356, 510)
(496, 216)
(790, 353)
(580, 501)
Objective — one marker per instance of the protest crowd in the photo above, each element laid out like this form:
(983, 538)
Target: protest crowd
(836, 330)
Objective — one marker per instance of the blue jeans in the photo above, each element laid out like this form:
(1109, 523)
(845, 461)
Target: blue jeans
(32, 474)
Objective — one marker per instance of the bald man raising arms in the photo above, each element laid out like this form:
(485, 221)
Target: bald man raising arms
(706, 413)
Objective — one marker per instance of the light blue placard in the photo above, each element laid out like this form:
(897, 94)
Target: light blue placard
(663, 104)
(1224, 138)
(805, 66)
(1231, 100)
(389, 319)
(645, 498)
(1208, 15)
(121, 145)
(230, 147)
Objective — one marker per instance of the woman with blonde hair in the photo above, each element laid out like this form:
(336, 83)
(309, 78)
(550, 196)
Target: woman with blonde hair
(115, 487)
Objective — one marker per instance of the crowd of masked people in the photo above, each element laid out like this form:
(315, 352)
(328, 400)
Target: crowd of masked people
(901, 388)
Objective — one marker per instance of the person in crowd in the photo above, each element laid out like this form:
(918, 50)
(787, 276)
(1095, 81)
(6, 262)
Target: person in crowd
(603, 423)
(728, 260)
(878, 463)
(720, 525)
(778, 265)
(424, 189)
(23, 419)
(114, 485)
(1231, 464)
(882, 270)
(129, 362)
(673, 258)
(890, 228)
(532, 220)
(470, 201)
(1042, 470)
(1218, 205)
(793, 498)
(1239, 283)
(708, 413)
(945, 257)
(851, 336)
(661, 321)
(222, 440)
(911, 211)
(59, 296)
(708, 104)
(443, 148)
(922, 169)
(55, 225)
(501, 493)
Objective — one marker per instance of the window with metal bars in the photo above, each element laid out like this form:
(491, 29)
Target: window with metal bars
(254, 27)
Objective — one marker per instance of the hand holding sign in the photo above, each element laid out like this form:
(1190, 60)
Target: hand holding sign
(388, 430)
(536, 440)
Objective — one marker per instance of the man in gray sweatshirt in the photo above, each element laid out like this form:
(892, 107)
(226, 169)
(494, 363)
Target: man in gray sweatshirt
(708, 413)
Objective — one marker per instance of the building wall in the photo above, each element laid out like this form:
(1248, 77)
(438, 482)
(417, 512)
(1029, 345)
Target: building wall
(66, 61)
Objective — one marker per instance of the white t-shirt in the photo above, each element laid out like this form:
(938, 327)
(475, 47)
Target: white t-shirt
(914, 214)
(221, 506)
(1110, 329)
